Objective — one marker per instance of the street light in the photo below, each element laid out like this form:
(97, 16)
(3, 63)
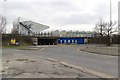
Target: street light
(110, 12)
(4, 12)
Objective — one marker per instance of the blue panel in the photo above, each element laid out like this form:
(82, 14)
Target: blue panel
(62, 41)
(69, 40)
(58, 41)
(80, 41)
(66, 41)
(74, 41)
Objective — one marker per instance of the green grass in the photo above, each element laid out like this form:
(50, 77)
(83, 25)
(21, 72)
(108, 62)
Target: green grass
(23, 45)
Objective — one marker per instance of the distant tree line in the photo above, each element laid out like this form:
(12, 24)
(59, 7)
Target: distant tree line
(3, 22)
(2, 25)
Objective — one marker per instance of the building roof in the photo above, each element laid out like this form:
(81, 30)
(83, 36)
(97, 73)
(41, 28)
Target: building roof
(35, 27)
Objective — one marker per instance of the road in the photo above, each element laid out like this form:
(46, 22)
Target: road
(70, 54)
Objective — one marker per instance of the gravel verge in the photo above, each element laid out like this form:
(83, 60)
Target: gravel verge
(98, 49)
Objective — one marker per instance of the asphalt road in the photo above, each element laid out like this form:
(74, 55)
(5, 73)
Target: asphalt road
(70, 54)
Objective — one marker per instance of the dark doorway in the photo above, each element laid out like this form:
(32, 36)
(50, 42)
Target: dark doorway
(47, 41)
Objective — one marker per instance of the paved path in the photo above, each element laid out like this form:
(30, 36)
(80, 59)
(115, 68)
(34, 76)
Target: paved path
(70, 54)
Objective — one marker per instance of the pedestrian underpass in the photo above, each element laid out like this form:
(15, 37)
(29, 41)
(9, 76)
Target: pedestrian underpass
(47, 41)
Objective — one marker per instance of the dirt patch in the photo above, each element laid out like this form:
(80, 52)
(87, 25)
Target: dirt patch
(22, 60)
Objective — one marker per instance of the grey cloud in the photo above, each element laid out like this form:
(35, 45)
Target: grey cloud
(14, 9)
(17, 5)
(102, 9)
(76, 19)
(83, 18)
(58, 12)
(57, 6)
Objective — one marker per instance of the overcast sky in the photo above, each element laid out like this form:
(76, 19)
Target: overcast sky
(60, 14)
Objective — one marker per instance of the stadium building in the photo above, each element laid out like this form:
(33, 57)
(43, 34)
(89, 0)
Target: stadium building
(35, 30)
(27, 27)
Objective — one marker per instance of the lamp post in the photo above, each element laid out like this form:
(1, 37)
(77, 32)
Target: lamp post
(3, 18)
(110, 13)
(110, 20)
(4, 31)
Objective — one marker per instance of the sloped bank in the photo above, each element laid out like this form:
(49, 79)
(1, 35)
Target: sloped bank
(103, 50)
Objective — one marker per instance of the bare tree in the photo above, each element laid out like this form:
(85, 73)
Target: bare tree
(109, 29)
(103, 28)
(2, 23)
(99, 26)
(98, 30)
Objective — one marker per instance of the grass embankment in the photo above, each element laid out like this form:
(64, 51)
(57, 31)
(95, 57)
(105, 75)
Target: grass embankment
(104, 50)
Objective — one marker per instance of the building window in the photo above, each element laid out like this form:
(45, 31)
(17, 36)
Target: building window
(75, 41)
(60, 41)
(68, 41)
(72, 41)
(65, 41)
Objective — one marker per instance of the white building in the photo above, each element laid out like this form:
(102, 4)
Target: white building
(28, 27)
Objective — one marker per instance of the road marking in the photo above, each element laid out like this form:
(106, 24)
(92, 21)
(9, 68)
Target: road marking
(50, 59)
(41, 49)
(29, 49)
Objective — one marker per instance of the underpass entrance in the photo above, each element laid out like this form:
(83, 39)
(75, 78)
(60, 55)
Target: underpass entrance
(47, 41)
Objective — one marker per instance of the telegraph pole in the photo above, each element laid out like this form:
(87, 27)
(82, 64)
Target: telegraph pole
(4, 8)
(110, 39)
